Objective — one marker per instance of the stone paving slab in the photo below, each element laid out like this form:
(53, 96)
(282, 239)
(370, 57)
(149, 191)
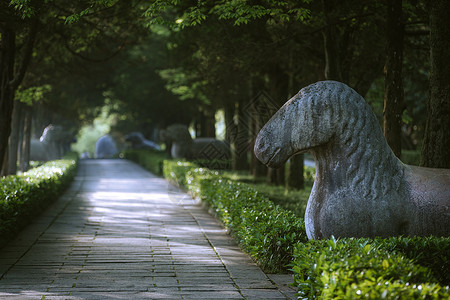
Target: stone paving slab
(120, 232)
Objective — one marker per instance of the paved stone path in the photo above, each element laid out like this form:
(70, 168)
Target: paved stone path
(119, 232)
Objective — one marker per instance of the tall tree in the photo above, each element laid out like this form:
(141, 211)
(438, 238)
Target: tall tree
(393, 92)
(436, 144)
(12, 74)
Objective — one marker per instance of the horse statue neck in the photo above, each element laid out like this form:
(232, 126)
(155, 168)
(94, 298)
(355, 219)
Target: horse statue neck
(357, 151)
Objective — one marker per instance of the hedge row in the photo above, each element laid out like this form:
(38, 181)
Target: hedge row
(264, 230)
(370, 269)
(395, 268)
(22, 197)
(148, 159)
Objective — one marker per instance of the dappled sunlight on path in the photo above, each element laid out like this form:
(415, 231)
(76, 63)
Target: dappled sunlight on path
(119, 232)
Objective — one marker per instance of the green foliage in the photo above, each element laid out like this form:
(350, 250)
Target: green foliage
(24, 7)
(32, 94)
(293, 200)
(89, 134)
(23, 197)
(411, 157)
(240, 11)
(431, 252)
(264, 230)
(150, 160)
(362, 269)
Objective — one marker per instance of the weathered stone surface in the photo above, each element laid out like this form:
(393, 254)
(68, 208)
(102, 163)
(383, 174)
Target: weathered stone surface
(105, 147)
(138, 141)
(53, 143)
(361, 189)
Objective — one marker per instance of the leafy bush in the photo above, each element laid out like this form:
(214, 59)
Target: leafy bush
(292, 200)
(150, 160)
(214, 164)
(432, 252)
(24, 196)
(266, 231)
(411, 157)
(361, 269)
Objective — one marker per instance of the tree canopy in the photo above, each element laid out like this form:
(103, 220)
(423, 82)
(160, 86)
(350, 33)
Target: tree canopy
(156, 63)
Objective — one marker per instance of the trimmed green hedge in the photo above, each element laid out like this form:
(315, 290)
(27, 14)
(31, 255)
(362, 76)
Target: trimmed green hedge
(22, 197)
(264, 230)
(370, 269)
(148, 159)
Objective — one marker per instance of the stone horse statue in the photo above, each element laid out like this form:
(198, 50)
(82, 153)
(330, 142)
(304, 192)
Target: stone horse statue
(138, 141)
(361, 189)
(105, 147)
(52, 144)
(183, 146)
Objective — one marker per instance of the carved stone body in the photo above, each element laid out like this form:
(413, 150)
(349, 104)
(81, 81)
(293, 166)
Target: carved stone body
(361, 189)
(53, 143)
(138, 141)
(183, 146)
(105, 147)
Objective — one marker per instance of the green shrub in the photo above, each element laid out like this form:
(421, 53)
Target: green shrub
(264, 230)
(361, 269)
(431, 252)
(411, 157)
(213, 164)
(24, 196)
(149, 159)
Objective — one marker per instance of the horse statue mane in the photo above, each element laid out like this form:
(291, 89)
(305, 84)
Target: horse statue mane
(361, 189)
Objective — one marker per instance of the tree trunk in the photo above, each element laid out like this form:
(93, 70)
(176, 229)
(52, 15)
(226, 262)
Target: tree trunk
(241, 142)
(257, 168)
(14, 139)
(230, 127)
(9, 81)
(7, 51)
(330, 41)
(296, 179)
(26, 138)
(393, 93)
(436, 143)
(278, 87)
(206, 127)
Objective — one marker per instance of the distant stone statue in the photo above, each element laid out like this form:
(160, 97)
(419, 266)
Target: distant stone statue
(361, 189)
(183, 146)
(138, 141)
(105, 147)
(53, 143)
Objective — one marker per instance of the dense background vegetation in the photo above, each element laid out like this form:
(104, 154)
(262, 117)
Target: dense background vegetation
(149, 64)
